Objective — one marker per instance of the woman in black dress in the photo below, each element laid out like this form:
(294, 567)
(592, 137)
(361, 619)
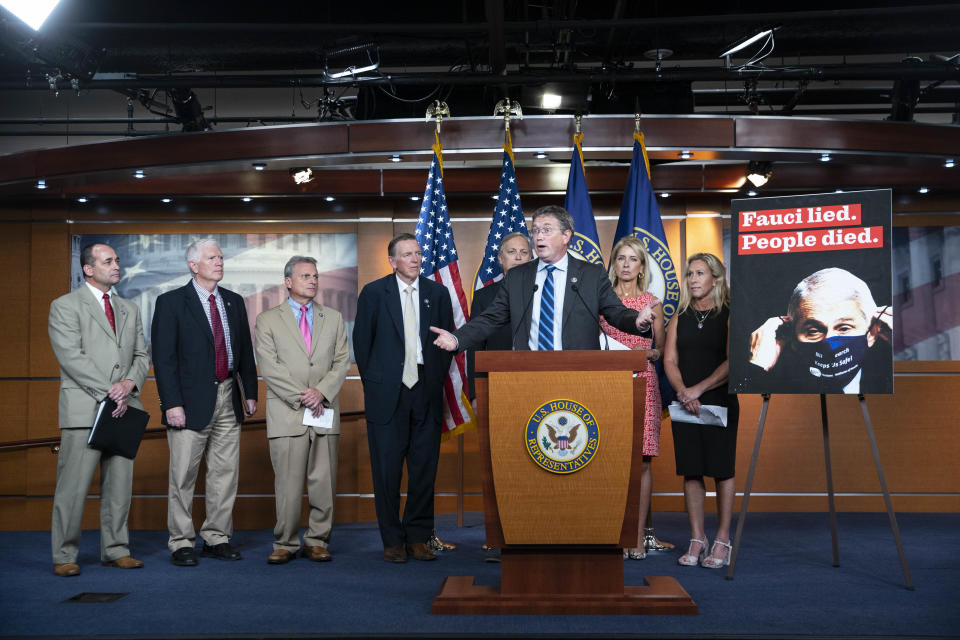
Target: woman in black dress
(695, 360)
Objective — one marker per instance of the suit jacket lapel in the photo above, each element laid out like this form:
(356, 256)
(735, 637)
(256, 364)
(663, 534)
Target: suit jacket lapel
(574, 273)
(290, 322)
(192, 301)
(529, 280)
(425, 314)
(120, 314)
(394, 307)
(318, 320)
(99, 315)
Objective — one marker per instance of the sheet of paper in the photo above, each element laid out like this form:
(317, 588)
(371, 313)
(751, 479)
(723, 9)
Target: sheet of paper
(709, 414)
(96, 419)
(323, 421)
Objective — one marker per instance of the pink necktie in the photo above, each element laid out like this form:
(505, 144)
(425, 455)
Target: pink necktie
(304, 327)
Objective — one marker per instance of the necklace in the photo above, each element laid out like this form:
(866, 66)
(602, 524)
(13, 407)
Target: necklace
(701, 316)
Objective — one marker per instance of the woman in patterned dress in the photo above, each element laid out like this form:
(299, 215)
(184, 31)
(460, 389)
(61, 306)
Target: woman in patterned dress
(630, 278)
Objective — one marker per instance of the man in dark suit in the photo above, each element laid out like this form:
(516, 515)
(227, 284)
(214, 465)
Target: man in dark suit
(553, 302)
(201, 339)
(403, 378)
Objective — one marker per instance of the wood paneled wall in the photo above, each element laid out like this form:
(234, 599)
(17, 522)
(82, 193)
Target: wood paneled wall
(915, 427)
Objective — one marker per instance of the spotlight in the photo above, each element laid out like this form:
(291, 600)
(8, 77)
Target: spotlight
(33, 13)
(541, 155)
(166, 200)
(495, 197)
(923, 190)
(246, 198)
(551, 101)
(664, 195)
(838, 190)
(329, 198)
(948, 163)
(415, 198)
(41, 184)
(139, 174)
(259, 166)
(352, 71)
(758, 172)
(396, 158)
(751, 193)
(746, 43)
(825, 157)
(81, 199)
(685, 155)
(302, 176)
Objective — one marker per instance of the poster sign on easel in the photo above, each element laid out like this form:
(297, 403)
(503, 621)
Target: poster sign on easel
(811, 290)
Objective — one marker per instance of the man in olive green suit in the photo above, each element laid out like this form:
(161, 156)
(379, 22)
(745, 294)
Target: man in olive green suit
(303, 356)
(98, 340)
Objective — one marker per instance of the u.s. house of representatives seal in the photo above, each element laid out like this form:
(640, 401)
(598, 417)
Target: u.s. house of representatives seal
(562, 436)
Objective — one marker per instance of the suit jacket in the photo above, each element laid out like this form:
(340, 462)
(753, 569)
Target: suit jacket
(184, 358)
(588, 295)
(92, 357)
(378, 344)
(288, 369)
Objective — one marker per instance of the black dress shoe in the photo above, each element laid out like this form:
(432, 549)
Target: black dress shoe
(184, 557)
(222, 551)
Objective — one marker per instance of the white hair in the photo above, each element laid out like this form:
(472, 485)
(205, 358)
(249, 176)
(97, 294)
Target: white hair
(195, 247)
(838, 284)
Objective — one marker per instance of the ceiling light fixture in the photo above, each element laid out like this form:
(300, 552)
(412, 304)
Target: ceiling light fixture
(82, 199)
(759, 172)
(396, 158)
(41, 184)
(541, 155)
(751, 193)
(685, 154)
(259, 166)
(415, 198)
(746, 43)
(923, 190)
(166, 200)
(551, 101)
(352, 71)
(948, 163)
(825, 157)
(246, 198)
(329, 198)
(302, 176)
(139, 174)
(665, 195)
(33, 12)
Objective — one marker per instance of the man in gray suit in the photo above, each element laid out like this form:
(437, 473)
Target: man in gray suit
(98, 340)
(551, 303)
(303, 356)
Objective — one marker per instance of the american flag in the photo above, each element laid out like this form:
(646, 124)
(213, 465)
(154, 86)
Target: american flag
(440, 262)
(507, 218)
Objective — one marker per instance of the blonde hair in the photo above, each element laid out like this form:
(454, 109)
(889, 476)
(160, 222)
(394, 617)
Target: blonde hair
(721, 292)
(643, 280)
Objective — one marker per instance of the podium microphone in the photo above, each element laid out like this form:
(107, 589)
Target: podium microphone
(600, 332)
(536, 288)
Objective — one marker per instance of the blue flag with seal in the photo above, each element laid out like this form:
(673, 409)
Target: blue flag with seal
(507, 218)
(585, 243)
(640, 217)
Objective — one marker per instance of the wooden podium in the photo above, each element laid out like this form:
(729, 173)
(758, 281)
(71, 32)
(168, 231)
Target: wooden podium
(561, 487)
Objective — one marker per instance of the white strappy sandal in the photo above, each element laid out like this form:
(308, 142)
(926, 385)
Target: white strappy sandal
(691, 560)
(713, 562)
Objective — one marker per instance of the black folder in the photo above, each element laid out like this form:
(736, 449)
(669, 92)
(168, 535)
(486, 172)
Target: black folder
(118, 435)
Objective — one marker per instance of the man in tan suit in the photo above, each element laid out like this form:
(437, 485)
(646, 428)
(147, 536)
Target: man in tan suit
(303, 356)
(98, 340)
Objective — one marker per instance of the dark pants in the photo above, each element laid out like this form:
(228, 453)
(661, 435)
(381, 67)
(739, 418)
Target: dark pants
(412, 435)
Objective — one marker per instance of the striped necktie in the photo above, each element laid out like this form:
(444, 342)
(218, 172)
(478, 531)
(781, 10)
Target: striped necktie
(545, 330)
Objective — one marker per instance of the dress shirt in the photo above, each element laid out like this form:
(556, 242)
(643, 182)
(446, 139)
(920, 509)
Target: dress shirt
(99, 295)
(416, 303)
(296, 312)
(559, 291)
(204, 296)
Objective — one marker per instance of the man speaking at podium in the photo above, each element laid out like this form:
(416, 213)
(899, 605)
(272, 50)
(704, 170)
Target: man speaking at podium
(552, 303)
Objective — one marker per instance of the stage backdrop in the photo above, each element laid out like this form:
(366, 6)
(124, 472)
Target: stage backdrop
(811, 294)
(152, 264)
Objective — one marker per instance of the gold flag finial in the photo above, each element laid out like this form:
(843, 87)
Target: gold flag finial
(576, 123)
(636, 122)
(438, 111)
(508, 109)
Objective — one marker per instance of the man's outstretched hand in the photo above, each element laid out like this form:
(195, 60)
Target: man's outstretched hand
(445, 339)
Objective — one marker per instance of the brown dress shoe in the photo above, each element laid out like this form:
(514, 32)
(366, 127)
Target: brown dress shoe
(67, 569)
(420, 551)
(394, 554)
(317, 553)
(126, 562)
(280, 556)
(437, 544)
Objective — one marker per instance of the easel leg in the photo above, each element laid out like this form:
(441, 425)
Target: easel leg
(746, 490)
(886, 494)
(830, 495)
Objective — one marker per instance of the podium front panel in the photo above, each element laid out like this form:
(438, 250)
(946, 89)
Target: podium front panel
(575, 502)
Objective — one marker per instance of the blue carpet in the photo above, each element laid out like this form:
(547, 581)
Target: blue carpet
(785, 586)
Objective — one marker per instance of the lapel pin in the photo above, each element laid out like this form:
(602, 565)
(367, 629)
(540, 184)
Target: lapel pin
(573, 280)
(426, 303)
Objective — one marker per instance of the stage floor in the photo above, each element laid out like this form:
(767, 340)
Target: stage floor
(785, 586)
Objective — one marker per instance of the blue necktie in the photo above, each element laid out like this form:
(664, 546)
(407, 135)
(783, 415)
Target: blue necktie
(545, 330)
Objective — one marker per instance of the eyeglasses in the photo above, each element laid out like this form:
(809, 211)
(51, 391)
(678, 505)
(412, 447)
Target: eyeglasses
(542, 231)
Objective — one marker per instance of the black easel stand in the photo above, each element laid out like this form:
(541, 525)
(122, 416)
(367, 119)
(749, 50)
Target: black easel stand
(830, 496)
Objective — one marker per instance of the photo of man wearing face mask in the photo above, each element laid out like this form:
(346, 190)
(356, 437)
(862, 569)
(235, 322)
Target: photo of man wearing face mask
(834, 338)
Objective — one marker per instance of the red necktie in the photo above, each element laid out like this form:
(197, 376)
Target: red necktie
(219, 341)
(109, 311)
